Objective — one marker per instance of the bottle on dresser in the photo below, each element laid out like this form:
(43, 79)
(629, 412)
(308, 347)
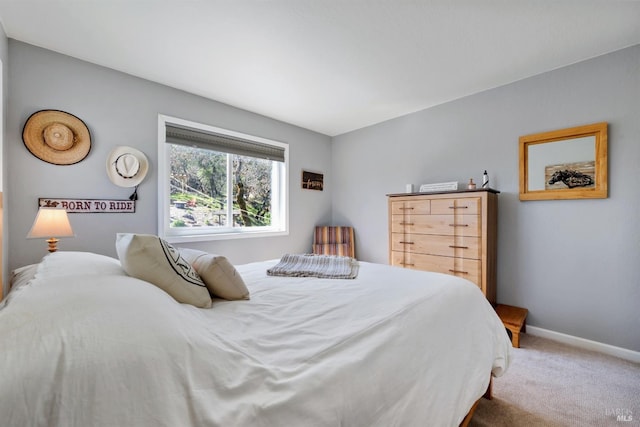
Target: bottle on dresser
(485, 180)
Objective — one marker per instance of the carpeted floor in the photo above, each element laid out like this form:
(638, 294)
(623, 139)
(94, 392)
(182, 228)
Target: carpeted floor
(553, 384)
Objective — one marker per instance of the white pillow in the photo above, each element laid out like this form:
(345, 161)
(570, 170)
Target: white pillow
(21, 276)
(220, 276)
(150, 258)
(72, 263)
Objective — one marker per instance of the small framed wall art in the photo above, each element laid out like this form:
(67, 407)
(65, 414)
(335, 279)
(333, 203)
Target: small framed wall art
(564, 164)
(312, 180)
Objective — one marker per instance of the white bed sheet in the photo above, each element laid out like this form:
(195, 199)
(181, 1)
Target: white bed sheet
(82, 344)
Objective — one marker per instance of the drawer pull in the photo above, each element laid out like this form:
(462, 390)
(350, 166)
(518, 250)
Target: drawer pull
(458, 247)
(406, 209)
(406, 264)
(406, 223)
(407, 243)
(458, 225)
(459, 271)
(458, 207)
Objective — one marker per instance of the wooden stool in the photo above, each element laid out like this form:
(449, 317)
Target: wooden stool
(514, 319)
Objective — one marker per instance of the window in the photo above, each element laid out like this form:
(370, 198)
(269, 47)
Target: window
(216, 184)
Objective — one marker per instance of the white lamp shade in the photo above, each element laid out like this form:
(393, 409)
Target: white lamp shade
(51, 222)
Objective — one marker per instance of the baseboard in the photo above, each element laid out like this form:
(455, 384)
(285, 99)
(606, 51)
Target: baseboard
(622, 353)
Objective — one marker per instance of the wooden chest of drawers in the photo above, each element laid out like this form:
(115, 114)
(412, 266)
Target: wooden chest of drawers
(448, 232)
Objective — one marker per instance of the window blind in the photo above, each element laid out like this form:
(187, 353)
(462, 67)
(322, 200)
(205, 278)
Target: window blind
(223, 143)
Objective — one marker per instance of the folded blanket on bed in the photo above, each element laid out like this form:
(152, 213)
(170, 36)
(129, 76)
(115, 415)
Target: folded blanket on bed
(308, 265)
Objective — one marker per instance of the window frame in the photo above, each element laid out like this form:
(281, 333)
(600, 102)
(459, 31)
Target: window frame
(280, 201)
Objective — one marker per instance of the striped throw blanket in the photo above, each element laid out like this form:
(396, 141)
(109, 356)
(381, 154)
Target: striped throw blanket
(309, 265)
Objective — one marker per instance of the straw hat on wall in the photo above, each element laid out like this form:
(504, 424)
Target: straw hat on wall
(56, 137)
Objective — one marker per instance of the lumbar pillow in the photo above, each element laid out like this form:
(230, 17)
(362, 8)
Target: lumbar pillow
(152, 259)
(220, 276)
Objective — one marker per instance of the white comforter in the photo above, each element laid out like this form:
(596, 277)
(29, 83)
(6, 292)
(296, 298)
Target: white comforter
(82, 344)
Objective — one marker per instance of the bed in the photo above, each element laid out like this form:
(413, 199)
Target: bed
(84, 344)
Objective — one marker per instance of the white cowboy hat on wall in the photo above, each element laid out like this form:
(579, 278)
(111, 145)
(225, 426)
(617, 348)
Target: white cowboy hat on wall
(127, 167)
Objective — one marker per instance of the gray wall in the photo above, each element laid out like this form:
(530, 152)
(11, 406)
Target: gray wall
(123, 110)
(4, 57)
(4, 244)
(572, 263)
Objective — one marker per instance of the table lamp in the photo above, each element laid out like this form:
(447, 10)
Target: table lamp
(51, 223)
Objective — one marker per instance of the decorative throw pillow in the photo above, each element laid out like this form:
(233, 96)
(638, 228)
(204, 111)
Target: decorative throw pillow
(220, 276)
(152, 259)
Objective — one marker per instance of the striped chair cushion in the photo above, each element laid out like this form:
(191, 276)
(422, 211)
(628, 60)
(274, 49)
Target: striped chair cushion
(342, 249)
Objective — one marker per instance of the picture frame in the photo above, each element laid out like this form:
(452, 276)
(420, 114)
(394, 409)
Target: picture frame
(312, 180)
(567, 163)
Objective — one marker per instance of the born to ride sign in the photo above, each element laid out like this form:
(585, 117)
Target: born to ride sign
(89, 205)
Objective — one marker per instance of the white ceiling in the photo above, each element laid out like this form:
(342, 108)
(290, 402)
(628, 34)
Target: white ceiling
(327, 65)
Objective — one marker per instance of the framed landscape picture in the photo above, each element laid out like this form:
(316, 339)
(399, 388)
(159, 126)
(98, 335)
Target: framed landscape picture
(564, 164)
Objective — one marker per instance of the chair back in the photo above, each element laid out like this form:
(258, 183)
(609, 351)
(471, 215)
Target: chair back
(334, 240)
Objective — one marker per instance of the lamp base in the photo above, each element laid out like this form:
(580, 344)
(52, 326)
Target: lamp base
(53, 244)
